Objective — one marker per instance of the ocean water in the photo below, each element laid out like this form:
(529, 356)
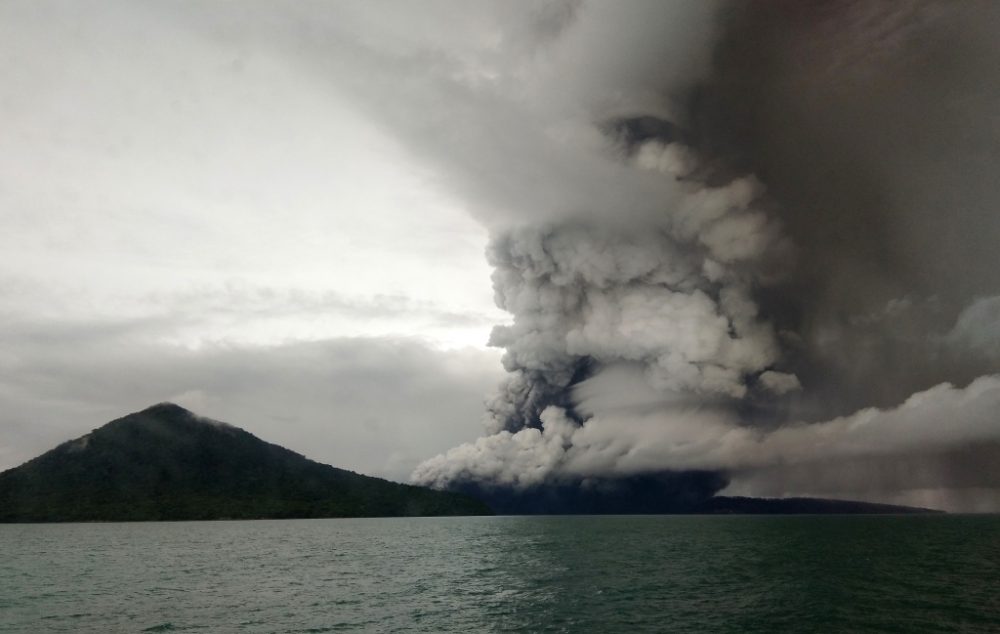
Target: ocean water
(507, 574)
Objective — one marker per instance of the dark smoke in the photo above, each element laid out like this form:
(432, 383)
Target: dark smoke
(873, 126)
(754, 238)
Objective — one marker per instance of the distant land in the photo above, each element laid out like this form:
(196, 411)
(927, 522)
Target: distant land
(674, 493)
(167, 463)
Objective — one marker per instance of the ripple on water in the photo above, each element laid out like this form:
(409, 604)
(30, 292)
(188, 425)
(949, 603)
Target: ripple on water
(568, 574)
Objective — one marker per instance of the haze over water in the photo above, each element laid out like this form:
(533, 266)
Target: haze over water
(507, 574)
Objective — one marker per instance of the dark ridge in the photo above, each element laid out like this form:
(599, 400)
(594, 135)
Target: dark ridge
(686, 492)
(167, 463)
(802, 506)
(658, 493)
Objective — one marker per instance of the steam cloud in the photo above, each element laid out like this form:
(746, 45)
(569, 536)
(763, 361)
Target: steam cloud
(756, 238)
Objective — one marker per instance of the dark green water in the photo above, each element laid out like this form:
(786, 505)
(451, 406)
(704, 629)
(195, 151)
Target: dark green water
(507, 574)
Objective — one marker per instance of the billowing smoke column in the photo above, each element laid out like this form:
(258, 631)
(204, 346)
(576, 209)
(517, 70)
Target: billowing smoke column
(744, 240)
(671, 297)
(667, 300)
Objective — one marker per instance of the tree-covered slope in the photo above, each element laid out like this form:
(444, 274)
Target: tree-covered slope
(166, 463)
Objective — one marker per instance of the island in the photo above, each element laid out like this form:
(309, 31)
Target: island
(167, 463)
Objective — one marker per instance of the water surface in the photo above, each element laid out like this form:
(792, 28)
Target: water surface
(507, 574)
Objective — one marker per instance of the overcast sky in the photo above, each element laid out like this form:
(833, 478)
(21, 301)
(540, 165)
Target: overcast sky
(192, 216)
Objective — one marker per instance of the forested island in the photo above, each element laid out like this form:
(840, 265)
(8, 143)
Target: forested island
(167, 463)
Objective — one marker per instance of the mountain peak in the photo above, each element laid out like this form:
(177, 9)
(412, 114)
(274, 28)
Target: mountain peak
(166, 408)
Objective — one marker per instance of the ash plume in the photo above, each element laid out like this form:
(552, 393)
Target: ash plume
(755, 239)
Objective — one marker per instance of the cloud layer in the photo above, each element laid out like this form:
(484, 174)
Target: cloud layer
(375, 405)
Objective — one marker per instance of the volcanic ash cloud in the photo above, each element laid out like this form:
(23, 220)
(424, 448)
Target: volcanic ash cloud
(731, 235)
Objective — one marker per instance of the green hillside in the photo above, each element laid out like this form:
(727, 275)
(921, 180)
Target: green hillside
(166, 463)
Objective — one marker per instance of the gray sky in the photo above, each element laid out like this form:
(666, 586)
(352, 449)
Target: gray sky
(194, 217)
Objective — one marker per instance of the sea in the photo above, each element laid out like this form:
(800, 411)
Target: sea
(933, 573)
